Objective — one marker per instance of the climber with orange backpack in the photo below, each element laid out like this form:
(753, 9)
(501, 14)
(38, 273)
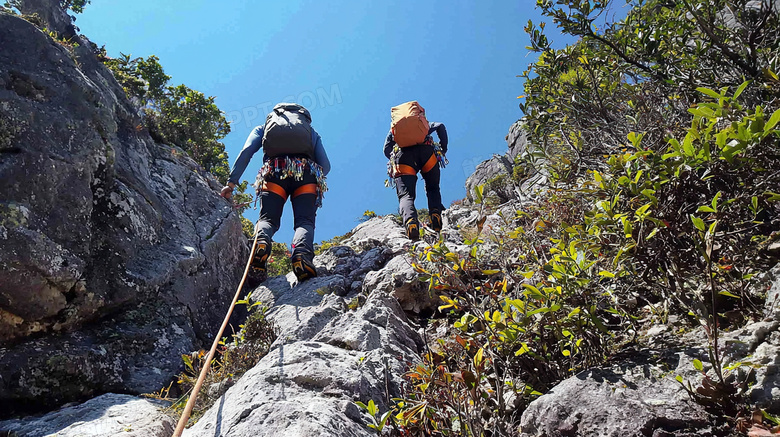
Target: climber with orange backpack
(411, 150)
(294, 164)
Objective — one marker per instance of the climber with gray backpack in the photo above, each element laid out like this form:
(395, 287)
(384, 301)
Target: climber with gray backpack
(294, 164)
(410, 149)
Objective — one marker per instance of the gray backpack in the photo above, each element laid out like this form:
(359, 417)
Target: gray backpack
(288, 131)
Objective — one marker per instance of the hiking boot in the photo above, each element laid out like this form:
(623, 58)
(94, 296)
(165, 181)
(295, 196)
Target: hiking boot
(258, 268)
(303, 268)
(413, 229)
(436, 223)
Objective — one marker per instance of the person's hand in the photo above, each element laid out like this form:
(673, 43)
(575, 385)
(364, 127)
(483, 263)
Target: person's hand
(227, 192)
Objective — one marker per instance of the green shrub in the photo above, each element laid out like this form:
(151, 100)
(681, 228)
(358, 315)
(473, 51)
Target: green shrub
(663, 163)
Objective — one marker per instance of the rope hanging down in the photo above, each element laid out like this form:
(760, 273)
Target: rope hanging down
(185, 416)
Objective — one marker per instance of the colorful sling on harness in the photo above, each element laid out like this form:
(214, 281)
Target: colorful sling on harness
(288, 167)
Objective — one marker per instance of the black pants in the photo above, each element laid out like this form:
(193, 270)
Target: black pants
(419, 159)
(272, 199)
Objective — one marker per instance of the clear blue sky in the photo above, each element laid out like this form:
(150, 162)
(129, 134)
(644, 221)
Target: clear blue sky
(348, 62)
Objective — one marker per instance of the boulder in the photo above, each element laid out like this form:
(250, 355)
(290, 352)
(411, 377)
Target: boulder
(106, 415)
(635, 398)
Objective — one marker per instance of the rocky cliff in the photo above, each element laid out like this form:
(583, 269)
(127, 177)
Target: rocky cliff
(117, 255)
(116, 252)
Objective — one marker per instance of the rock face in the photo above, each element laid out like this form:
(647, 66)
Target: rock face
(499, 165)
(325, 358)
(106, 415)
(632, 399)
(116, 253)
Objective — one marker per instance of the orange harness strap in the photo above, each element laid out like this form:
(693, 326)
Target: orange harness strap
(432, 161)
(275, 188)
(305, 189)
(405, 170)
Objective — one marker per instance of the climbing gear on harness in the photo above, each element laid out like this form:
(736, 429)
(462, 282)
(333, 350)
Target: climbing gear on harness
(289, 167)
(185, 415)
(436, 222)
(287, 131)
(303, 268)
(408, 124)
(413, 229)
(440, 156)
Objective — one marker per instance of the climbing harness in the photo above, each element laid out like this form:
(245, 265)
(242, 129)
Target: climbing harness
(394, 169)
(288, 167)
(185, 415)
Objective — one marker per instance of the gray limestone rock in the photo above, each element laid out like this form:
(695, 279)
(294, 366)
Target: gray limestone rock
(772, 283)
(632, 399)
(307, 387)
(106, 415)
(399, 279)
(116, 253)
(384, 231)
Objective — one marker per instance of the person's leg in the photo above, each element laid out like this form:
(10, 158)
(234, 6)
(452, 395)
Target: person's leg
(272, 198)
(304, 197)
(406, 188)
(431, 174)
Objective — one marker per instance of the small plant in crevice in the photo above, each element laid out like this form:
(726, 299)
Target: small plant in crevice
(279, 262)
(234, 357)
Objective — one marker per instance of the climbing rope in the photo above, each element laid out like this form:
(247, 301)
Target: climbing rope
(185, 416)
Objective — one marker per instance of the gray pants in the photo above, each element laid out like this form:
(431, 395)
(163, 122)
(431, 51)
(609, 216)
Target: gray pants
(272, 200)
(416, 157)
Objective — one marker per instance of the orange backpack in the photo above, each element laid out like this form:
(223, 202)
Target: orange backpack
(409, 125)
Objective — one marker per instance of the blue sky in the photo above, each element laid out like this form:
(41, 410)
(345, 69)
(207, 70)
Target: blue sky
(349, 62)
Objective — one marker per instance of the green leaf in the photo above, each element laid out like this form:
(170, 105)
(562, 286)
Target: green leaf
(698, 365)
(606, 274)
(523, 349)
(715, 200)
(773, 197)
(709, 92)
(652, 234)
(741, 88)
(688, 145)
(679, 379)
(643, 209)
(705, 208)
(699, 223)
(772, 122)
(566, 352)
(726, 293)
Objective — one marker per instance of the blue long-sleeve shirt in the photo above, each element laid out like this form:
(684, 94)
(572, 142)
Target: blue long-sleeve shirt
(255, 142)
(437, 127)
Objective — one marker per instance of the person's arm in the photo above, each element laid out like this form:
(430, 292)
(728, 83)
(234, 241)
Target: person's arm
(441, 132)
(253, 143)
(389, 144)
(320, 157)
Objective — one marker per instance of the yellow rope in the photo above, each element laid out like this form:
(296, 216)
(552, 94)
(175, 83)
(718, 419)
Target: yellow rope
(185, 416)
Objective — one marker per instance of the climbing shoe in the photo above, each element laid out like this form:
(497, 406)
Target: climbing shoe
(413, 229)
(436, 223)
(303, 268)
(258, 268)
